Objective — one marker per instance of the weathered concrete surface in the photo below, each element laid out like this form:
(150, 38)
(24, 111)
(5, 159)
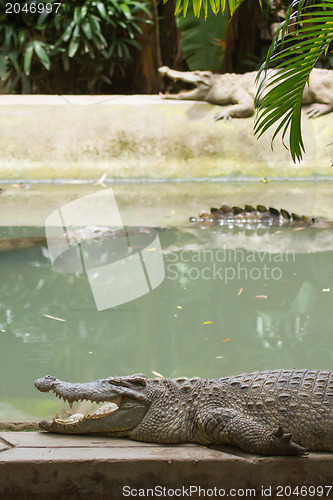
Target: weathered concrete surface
(39, 466)
(83, 137)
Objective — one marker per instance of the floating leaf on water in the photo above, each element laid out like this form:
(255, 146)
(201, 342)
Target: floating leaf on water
(157, 374)
(261, 296)
(207, 322)
(225, 340)
(240, 291)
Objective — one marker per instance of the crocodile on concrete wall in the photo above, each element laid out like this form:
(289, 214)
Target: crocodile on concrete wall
(278, 412)
(255, 216)
(238, 91)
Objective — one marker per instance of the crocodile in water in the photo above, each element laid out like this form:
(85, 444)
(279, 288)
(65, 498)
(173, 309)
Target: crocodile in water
(253, 216)
(247, 217)
(278, 412)
(237, 91)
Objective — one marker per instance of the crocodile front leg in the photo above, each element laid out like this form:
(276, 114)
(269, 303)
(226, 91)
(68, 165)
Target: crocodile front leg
(242, 107)
(225, 426)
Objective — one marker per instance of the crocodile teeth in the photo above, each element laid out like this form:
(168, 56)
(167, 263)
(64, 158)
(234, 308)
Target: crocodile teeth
(71, 405)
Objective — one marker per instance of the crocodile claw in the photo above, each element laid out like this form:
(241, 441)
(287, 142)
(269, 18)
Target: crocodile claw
(283, 445)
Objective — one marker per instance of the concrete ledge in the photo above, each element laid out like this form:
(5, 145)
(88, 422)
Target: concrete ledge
(36, 466)
(83, 137)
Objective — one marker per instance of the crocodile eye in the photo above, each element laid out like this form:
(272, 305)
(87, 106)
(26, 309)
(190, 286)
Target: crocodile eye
(49, 377)
(114, 381)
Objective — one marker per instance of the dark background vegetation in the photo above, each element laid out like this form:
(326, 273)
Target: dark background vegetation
(116, 46)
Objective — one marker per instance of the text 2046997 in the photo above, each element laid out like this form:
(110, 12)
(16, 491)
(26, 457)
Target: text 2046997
(32, 8)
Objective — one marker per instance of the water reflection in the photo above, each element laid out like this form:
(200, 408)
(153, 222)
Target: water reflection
(229, 303)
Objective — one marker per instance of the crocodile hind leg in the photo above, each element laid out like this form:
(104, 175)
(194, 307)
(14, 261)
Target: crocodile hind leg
(224, 426)
(319, 94)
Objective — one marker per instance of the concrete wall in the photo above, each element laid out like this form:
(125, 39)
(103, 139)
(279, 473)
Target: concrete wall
(52, 467)
(83, 137)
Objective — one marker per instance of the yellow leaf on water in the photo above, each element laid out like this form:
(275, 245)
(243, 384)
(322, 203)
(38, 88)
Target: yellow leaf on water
(207, 322)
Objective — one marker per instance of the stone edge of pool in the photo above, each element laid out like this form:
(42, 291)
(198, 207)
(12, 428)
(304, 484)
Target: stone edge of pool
(143, 136)
(40, 465)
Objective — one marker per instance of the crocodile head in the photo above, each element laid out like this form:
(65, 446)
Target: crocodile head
(201, 80)
(194, 77)
(125, 404)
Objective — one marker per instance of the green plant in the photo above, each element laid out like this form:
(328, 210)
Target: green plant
(202, 40)
(300, 41)
(93, 38)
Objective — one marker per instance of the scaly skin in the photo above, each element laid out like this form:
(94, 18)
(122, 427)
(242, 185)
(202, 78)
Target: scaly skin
(278, 412)
(255, 216)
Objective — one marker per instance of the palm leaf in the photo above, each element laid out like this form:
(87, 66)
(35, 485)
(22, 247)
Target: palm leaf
(200, 40)
(299, 42)
(215, 5)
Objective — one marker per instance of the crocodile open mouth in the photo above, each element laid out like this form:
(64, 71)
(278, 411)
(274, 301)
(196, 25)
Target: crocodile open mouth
(83, 409)
(102, 410)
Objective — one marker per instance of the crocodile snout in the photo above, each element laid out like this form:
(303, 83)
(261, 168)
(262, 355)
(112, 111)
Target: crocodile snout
(45, 384)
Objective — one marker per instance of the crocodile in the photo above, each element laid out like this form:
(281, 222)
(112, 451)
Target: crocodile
(237, 91)
(74, 237)
(260, 215)
(276, 412)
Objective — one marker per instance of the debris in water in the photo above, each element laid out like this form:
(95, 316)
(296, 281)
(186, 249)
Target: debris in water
(53, 317)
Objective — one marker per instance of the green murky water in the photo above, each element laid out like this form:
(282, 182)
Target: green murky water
(230, 302)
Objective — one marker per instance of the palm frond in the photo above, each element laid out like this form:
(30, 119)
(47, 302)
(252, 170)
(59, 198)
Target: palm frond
(300, 40)
(215, 5)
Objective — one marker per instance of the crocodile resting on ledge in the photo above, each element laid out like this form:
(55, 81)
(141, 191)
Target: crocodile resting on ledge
(278, 412)
(239, 90)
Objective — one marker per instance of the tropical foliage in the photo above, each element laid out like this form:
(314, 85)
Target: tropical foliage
(202, 40)
(301, 39)
(101, 34)
(215, 5)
